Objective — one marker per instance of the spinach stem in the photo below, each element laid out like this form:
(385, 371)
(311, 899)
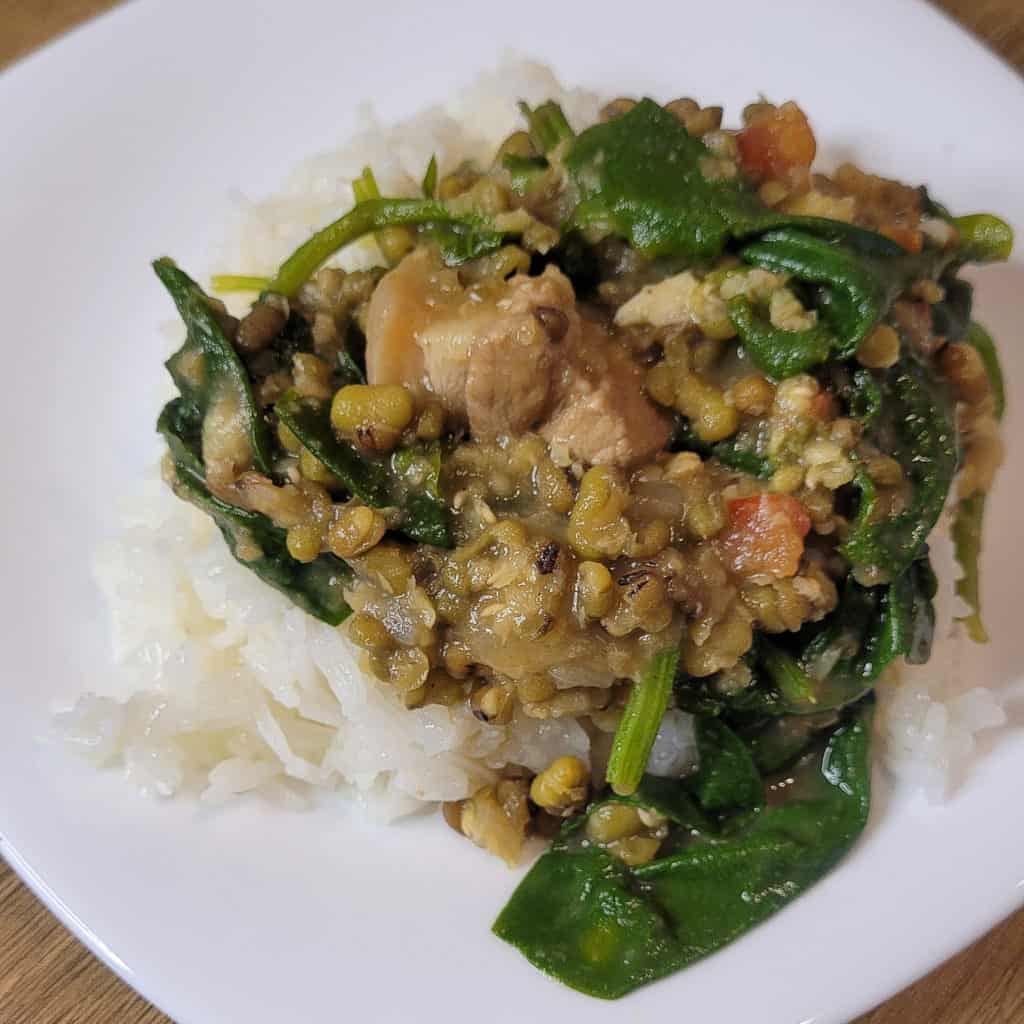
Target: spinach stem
(639, 726)
(363, 219)
(548, 126)
(365, 186)
(238, 283)
(429, 185)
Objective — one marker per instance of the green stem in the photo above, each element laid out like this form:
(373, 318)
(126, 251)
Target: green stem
(363, 219)
(795, 685)
(365, 186)
(977, 337)
(548, 126)
(984, 237)
(639, 726)
(238, 283)
(429, 185)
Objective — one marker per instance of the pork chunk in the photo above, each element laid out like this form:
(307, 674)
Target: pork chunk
(604, 416)
(407, 299)
(521, 360)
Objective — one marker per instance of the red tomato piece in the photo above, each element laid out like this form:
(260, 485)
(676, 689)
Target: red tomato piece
(765, 535)
(823, 406)
(776, 143)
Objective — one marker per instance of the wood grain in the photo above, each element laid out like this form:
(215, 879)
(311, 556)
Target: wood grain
(47, 977)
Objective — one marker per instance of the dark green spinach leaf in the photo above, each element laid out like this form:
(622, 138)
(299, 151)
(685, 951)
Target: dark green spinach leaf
(378, 483)
(317, 587)
(857, 276)
(836, 663)
(206, 369)
(779, 353)
(584, 917)
(641, 175)
(917, 428)
(727, 780)
(736, 452)
(778, 742)
(547, 125)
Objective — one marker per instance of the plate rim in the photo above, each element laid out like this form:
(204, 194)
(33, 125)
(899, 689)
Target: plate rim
(52, 50)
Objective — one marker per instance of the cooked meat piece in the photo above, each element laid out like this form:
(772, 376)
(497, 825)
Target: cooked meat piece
(446, 346)
(402, 305)
(508, 386)
(519, 361)
(603, 416)
(514, 365)
(493, 363)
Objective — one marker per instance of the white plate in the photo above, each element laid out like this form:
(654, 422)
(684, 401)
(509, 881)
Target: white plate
(122, 142)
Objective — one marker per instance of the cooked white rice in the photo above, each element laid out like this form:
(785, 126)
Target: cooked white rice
(929, 716)
(223, 687)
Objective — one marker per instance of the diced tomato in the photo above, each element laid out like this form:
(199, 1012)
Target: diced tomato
(776, 143)
(765, 535)
(910, 238)
(823, 406)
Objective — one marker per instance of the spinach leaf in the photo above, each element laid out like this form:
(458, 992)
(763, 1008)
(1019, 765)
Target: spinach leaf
(734, 452)
(429, 185)
(376, 482)
(587, 919)
(206, 369)
(838, 662)
(669, 798)
(917, 428)
(317, 587)
(349, 371)
(727, 778)
(704, 696)
(983, 237)
(779, 353)
(310, 421)
(642, 175)
(857, 275)
(780, 741)
(726, 781)
(829, 665)
(912, 613)
(463, 239)
(860, 391)
(417, 473)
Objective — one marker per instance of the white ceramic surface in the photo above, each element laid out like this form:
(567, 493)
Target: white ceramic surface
(122, 142)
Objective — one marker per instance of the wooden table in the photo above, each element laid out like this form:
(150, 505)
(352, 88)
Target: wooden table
(47, 977)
